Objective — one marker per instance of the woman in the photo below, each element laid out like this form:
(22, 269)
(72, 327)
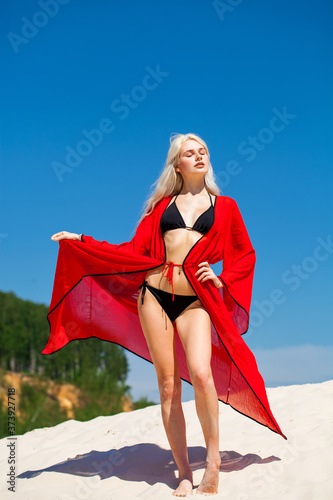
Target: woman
(191, 319)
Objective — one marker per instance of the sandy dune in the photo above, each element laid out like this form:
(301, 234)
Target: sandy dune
(127, 455)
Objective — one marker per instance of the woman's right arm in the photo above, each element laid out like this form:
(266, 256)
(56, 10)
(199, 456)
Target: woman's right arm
(65, 235)
(140, 243)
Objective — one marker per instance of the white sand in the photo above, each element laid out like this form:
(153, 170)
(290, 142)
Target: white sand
(127, 455)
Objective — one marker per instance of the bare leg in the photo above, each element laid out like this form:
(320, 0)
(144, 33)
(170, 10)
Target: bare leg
(195, 332)
(207, 409)
(161, 344)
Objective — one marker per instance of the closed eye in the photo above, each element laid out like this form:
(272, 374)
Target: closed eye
(202, 152)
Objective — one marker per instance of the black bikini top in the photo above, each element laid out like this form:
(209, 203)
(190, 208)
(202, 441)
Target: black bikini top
(172, 219)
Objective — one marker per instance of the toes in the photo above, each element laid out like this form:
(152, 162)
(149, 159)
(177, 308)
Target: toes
(183, 490)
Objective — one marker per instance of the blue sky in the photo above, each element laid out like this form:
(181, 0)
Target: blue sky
(254, 81)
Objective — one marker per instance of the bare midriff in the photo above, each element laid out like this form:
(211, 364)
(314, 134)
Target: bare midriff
(178, 243)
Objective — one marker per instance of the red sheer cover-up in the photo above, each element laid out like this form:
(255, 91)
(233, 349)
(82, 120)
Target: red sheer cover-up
(96, 289)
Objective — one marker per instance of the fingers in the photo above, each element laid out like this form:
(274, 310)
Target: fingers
(205, 277)
(205, 272)
(58, 236)
(65, 235)
(203, 264)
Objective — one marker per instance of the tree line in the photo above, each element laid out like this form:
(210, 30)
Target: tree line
(97, 368)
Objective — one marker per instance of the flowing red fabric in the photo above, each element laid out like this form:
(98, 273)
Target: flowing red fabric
(96, 289)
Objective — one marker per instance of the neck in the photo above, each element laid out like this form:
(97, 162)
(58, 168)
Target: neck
(193, 187)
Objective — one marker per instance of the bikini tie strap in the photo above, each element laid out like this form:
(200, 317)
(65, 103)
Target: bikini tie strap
(143, 286)
(169, 274)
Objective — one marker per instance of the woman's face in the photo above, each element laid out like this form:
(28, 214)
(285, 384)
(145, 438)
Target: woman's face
(193, 158)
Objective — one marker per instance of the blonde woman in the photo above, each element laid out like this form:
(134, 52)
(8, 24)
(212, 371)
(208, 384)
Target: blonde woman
(190, 319)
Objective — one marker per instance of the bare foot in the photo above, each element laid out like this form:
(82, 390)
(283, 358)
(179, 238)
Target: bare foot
(185, 486)
(210, 481)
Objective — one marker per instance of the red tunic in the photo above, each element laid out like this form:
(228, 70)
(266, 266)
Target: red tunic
(96, 288)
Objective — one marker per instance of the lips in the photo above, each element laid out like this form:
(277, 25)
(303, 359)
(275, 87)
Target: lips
(200, 163)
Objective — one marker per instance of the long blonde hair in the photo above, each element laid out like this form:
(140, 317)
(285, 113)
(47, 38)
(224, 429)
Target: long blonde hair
(170, 182)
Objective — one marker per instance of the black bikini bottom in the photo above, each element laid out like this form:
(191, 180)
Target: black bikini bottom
(173, 308)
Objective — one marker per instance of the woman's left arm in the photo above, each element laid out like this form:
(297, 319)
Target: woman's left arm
(238, 261)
